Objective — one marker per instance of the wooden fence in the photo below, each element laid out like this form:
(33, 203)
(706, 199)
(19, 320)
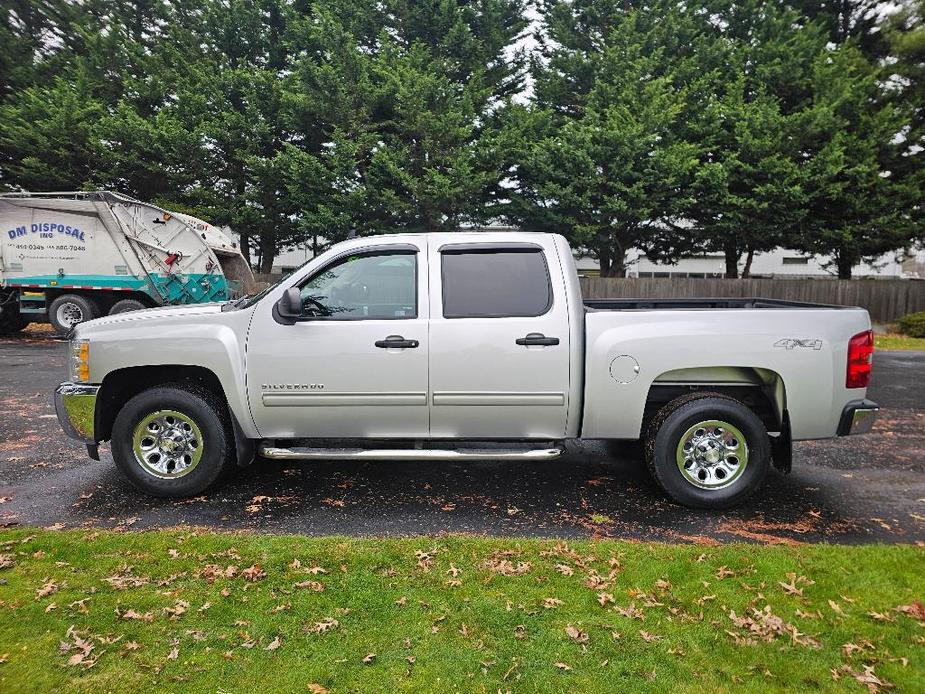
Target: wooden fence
(886, 300)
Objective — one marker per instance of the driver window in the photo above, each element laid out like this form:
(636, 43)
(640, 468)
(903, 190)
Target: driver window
(370, 285)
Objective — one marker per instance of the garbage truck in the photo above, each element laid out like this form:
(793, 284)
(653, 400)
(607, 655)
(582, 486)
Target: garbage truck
(66, 258)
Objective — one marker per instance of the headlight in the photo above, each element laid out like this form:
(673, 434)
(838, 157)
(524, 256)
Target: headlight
(79, 362)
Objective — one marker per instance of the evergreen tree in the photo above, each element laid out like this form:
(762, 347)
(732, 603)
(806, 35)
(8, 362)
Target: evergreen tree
(856, 207)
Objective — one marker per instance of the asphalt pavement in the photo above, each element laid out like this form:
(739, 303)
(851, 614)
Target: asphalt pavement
(849, 490)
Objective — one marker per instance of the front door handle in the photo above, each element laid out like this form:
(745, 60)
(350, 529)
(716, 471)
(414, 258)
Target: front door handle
(396, 342)
(537, 339)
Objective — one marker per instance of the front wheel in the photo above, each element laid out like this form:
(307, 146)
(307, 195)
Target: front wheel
(173, 441)
(11, 322)
(707, 450)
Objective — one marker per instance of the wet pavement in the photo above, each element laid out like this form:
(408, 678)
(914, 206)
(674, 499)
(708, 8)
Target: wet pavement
(850, 490)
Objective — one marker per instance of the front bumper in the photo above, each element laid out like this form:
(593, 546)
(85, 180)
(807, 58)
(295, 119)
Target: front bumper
(75, 405)
(858, 417)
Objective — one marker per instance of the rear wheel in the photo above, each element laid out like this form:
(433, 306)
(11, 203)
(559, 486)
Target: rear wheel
(126, 305)
(708, 451)
(173, 441)
(69, 310)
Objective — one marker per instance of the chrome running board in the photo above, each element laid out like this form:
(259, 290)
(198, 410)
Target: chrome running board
(299, 453)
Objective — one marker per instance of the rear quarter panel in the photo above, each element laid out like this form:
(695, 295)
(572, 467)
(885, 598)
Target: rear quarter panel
(664, 340)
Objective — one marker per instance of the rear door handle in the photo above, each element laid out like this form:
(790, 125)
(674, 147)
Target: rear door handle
(396, 342)
(537, 339)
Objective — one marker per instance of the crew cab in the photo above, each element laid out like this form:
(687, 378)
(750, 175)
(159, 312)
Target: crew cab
(450, 346)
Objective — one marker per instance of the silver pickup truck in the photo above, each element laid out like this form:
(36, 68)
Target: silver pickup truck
(465, 345)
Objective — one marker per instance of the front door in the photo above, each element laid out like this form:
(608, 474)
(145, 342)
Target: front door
(499, 341)
(355, 363)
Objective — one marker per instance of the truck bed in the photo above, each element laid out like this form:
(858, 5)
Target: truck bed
(700, 302)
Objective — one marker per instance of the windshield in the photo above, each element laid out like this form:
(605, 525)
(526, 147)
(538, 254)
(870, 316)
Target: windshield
(248, 301)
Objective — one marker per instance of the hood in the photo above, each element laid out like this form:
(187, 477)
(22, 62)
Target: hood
(161, 312)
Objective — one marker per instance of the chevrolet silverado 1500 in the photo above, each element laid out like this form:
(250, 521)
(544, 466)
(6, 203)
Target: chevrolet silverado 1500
(465, 345)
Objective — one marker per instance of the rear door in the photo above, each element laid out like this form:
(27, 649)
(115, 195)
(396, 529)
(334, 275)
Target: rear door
(499, 340)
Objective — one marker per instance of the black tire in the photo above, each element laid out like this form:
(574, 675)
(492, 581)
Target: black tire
(126, 305)
(675, 419)
(209, 414)
(11, 322)
(77, 306)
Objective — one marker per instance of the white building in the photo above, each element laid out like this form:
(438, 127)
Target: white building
(778, 263)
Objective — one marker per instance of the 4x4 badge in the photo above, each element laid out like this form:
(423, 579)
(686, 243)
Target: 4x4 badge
(791, 342)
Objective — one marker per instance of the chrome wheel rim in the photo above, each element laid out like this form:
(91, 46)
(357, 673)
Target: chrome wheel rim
(712, 454)
(69, 315)
(167, 444)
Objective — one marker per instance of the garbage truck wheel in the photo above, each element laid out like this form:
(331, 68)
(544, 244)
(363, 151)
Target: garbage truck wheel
(12, 322)
(125, 306)
(70, 309)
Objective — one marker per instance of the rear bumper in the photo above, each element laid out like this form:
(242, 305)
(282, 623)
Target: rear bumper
(858, 417)
(75, 405)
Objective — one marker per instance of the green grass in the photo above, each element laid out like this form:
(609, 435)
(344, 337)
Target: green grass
(894, 341)
(450, 613)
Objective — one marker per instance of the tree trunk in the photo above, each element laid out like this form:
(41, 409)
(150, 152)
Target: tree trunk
(732, 260)
(267, 252)
(845, 265)
(245, 245)
(612, 262)
(747, 270)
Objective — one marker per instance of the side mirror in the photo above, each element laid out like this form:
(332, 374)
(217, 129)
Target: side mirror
(289, 305)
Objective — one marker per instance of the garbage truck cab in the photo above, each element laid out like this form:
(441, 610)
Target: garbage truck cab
(66, 258)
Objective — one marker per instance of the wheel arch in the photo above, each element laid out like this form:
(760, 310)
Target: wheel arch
(120, 385)
(761, 390)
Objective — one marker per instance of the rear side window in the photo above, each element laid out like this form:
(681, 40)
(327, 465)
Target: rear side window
(495, 283)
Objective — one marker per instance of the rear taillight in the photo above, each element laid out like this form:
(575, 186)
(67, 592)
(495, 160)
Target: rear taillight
(860, 357)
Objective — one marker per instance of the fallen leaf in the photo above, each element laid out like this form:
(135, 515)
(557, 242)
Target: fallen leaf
(138, 616)
(47, 589)
(562, 666)
(632, 611)
(315, 586)
(370, 657)
(177, 610)
(551, 603)
(870, 680)
(576, 634)
(324, 625)
(274, 644)
(254, 573)
(790, 588)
